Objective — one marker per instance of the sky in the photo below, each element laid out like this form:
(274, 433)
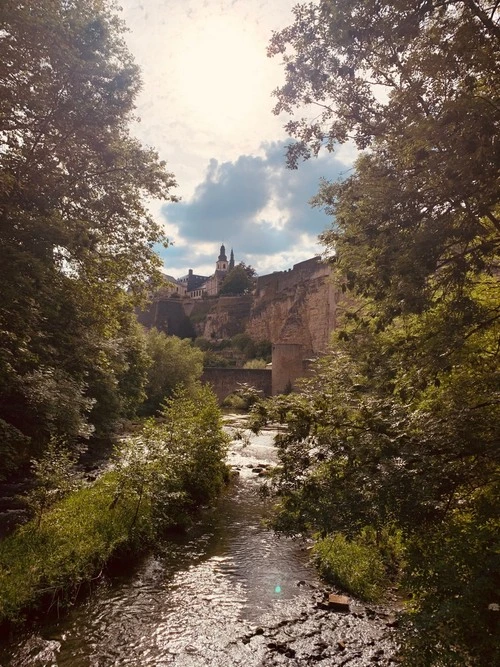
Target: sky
(206, 107)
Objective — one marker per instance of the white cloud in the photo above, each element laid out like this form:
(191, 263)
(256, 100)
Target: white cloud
(256, 205)
(206, 106)
(207, 79)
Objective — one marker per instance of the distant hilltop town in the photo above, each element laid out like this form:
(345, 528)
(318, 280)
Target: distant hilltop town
(195, 286)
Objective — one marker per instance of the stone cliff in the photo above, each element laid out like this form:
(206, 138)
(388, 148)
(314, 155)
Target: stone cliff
(298, 307)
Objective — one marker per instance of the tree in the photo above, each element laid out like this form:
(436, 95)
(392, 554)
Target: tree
(400, 425)
(239, 280)
(75, 232)
(384, 75)
(54, 477)
(175, 363)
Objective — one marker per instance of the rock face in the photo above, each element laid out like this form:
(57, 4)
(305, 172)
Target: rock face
(221, 317)
(296, 310)
(298, 307)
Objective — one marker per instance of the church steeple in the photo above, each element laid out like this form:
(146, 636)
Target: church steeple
(222, 254)
(221, 264)
(231, 261)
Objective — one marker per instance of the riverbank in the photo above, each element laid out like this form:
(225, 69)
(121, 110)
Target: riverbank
(228, 592)
(156, 481)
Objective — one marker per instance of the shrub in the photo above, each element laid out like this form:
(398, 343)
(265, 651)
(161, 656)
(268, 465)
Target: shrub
(243, 398)
(244, 343)
(162, 474)
(453, 574)
(255, 363)
(355, 565)
(174, 362)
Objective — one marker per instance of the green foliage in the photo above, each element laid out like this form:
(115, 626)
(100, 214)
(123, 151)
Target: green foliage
(202, 343)
(193, 430)
(75, 230)
(356, 565)
(400, 424)
(214, 360)
(73, 542)
(263, 350)
(454, 574)
(237, 351)
(243, 398)
(159, 477)
(235, 402)
(244, 343)
(255, 363)
(174, 362)
(54, 476)
(239, 280)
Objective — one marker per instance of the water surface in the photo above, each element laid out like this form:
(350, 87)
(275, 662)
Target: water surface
(188, 603)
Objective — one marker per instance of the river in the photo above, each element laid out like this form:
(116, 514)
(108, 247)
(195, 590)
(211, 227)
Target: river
(229, 592)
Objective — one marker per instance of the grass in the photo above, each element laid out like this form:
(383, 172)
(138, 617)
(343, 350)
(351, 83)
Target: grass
(74, 541)
(360, 566)
(159, 476)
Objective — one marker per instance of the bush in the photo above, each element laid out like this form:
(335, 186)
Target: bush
(264, 350)
(159, 476)
(73, 542)
(355, 565)
(235, 402)
(214, 360)
(244, 343)
(453, 574)
(174, 362)
(243, 398)
(202, 343)
(255, 363)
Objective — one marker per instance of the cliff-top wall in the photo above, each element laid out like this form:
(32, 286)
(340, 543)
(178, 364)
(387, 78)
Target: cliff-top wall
(298, 306)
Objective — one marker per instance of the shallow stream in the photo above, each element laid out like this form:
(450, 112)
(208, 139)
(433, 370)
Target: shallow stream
(227, 593)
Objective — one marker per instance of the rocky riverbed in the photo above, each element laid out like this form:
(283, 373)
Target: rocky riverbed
(313, 634)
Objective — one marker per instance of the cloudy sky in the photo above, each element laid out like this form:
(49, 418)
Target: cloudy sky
(206, 107)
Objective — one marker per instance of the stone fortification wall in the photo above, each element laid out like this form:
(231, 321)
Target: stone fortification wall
(297, 306)
(226, 380)
(221, 317)
(167, 315)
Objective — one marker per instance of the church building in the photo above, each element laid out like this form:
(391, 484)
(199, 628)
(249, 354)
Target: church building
(199, 286)
(222, 266)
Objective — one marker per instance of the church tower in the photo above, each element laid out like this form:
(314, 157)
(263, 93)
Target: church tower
(231, 261)
(221, 264)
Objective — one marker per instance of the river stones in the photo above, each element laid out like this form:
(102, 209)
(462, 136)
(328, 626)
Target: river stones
(338, 602)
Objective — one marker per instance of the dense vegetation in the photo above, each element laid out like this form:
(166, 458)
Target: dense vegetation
(174, 362)
(158, 478)
(239, 280)
(397, 434)
(241, 350)
(76, 240)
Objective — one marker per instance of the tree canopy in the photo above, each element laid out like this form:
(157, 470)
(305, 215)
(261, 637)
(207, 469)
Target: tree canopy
(239, 280)
(400, 424)
(175, 363)
(76, 237)
(417, 83)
